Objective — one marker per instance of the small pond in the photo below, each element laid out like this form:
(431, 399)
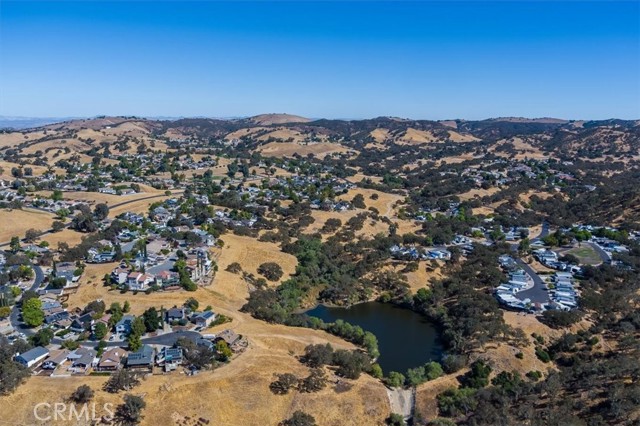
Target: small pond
(406, 339)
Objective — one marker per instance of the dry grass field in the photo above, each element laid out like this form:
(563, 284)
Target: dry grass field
(456, 159)
(74, 145)
(526, 196)
(6, 167)
(358, 177)
(68, 236)
(416, 137)
(237, 393)
(250, 254)
(524, 150)
(426, 404)
(140, 205)
(484, 210)
(380, 135)
(477, 193)
(501, 356)
(422, 277)
(17, 222)
(384, 204)
(459, 137)
(268, 119)
(16, 138)
(288, 149)
(98, 197)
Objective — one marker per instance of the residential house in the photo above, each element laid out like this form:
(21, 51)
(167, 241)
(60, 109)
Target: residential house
(82, 323)
(55, 359)
(119, 275)
(96, 256)
(176, 314)
(32, 356)
(124, 325)
(235, 341)
(201, 341)
(169, 358)
(105, 320)
(141, 359)
(167, 279)
(111, 359)
(81, 360)
(440, 253)
(57, 318)
(66, 270)
(138, 281)
(204, 319)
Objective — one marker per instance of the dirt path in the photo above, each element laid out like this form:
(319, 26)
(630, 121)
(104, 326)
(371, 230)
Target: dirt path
(389, 209)
(402, 401)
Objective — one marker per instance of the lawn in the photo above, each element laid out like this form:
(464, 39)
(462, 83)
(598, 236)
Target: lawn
(586, 254)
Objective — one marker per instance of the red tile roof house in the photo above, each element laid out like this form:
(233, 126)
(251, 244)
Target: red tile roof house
(167, 279)
(139, 281)
(119, 275)
(105, 320)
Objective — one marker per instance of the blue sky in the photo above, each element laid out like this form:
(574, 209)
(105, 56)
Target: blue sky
(429, 60)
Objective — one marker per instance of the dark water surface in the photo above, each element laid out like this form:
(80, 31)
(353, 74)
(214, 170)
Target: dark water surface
(406, 339)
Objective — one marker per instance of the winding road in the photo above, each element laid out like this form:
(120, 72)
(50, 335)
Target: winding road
(15, 312)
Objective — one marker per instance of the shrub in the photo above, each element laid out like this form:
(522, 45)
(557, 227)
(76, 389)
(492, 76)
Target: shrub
(543, 355)
(271, 271)
(394, 379)
(283, 384)
(234, 268)
(82, 394)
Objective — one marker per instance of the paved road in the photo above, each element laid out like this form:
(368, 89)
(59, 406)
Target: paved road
(538, 293)
(15, 312)
(543, 232)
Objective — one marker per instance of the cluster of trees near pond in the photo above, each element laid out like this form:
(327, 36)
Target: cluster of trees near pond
(470, 318)
(462, 305)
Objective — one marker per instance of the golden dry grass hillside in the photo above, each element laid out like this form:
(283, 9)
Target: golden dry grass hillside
(415, 137)
(288, 149)
(16, 138)
(267, 119)
(237, 393)
(477, 193)
(382, 201)
(17, 222)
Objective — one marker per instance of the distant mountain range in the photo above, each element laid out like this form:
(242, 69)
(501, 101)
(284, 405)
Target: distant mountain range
(9, 122)
(18, 123)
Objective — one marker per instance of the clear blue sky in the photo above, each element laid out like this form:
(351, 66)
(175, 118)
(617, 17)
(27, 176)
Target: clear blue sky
(337, 60)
